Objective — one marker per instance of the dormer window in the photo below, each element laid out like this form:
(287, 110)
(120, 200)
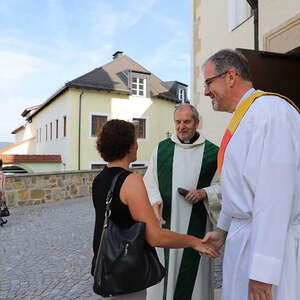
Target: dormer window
(181, 94)
(138, 86)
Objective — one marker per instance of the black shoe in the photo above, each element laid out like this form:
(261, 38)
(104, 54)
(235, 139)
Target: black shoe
(2, 222)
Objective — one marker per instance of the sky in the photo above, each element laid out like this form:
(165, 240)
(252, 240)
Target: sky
(45, 43)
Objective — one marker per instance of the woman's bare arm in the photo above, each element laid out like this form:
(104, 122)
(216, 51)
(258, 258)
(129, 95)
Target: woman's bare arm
(134, 194)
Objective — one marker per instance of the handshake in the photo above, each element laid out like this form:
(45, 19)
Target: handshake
(212, 242)
(210, 245)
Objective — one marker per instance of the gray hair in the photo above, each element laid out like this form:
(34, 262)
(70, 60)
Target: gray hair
(227, 59)
(195, 114)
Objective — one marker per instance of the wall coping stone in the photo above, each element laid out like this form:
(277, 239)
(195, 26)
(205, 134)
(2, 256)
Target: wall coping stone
(141, 169)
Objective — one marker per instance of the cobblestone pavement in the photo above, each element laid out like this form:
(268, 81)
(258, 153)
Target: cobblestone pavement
(46, 250)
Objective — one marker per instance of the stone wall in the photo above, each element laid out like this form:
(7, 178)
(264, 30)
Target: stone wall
(37, 188)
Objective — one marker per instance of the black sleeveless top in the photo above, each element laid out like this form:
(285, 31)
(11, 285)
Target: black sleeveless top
(120, 213)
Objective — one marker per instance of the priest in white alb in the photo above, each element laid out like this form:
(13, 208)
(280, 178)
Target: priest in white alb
(259, 165)
(186, 160)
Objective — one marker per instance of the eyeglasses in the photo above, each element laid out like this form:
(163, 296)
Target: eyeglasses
(209, 80)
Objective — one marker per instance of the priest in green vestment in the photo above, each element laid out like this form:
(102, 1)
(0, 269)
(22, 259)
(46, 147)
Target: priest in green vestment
(186, 160)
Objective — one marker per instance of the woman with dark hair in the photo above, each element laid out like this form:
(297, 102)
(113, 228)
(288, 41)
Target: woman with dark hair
(118, 146)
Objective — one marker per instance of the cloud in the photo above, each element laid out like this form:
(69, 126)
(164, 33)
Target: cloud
(136, 11)
(58, 23)
(170, 23)
(107, 20)
(15, 66)
(24, 79)
(11, 119)
(21, 58)
(184, 58)
(172, 53)
(36, 61)
(167, 54)
(96, 57)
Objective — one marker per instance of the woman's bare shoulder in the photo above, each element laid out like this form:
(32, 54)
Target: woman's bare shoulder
(133, 178)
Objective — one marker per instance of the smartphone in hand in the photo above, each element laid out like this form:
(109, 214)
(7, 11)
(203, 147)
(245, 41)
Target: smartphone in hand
(182, 192)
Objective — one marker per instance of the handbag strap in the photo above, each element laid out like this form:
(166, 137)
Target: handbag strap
(109, 198)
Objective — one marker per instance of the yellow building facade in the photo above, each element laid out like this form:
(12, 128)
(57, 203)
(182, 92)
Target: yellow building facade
(67, 122)
(231, 24)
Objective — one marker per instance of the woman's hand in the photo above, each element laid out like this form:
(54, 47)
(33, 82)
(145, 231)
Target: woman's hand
(206, 250)
(215, 239)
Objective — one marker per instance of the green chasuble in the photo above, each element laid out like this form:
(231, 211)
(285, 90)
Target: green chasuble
(197, 224)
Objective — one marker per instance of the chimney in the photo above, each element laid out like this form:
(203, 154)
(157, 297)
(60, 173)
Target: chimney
(117, 54)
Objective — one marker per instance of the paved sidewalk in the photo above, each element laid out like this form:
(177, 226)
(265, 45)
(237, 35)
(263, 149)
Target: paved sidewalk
(46, 250)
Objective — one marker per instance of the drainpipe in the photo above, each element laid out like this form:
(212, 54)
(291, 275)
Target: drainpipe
(256, 35)
(79, 129)
(254, 7)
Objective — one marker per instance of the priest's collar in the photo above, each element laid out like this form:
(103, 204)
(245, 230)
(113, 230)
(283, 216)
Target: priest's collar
(192, 140)
(199, 140)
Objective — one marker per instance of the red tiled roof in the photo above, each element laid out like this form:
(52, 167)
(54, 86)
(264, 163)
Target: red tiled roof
(29, 158)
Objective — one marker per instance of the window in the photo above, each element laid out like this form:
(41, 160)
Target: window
(65, 126)
(238, 12)
(56, 129)
(46, 131)
(140, 127)
(97, 166)
(37, 136)
(181, 93)
(98, 122)
(50, 131)
(40, 135)
(138, 86)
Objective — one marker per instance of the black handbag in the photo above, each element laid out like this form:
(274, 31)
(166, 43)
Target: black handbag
(125, 262)
(4, 211)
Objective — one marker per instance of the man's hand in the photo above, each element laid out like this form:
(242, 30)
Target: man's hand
(206, 250)
(259, 290)
(215, 239)
(195, 196)
(157, 207)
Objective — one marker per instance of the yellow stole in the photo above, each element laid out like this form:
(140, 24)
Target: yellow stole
(236, 119)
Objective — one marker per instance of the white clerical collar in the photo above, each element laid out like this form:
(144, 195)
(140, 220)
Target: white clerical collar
(200, 140)
(245, 96)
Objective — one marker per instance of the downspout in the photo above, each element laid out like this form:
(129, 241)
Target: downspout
(79, 129)
(256, 34)
(254, 7)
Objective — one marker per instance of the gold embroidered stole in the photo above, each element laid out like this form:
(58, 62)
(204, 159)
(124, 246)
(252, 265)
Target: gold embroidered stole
(236, 119)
